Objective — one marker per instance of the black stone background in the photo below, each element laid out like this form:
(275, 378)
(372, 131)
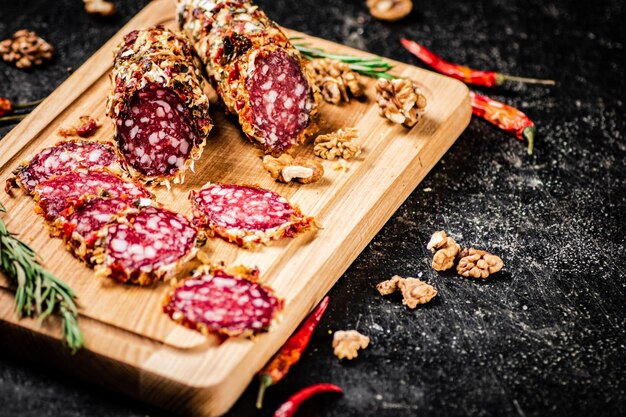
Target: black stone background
(544, 337)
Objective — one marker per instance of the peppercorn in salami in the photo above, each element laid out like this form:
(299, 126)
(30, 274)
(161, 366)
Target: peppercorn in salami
(227, 302)
(256, 71)
(245, 214)
(144, 245)
(157, 102)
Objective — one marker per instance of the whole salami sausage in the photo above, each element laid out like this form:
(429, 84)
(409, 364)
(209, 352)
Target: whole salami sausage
(256, 71)
(157, 102)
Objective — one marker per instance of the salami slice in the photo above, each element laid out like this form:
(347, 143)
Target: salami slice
(257, 72)
(145, 245)
(246, 215)
(84, 225)
(223, 302)
(65, 157)
(57, 195)
(157, 101)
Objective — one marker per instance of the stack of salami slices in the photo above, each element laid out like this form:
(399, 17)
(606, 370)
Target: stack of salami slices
(105, 220)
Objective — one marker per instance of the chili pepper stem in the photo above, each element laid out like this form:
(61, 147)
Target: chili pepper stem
(265, 381)
(529, 134)
(502, 78)
(27, 104)
(13, 118)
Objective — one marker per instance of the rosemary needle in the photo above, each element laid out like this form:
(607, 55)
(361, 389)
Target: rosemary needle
(38, 293)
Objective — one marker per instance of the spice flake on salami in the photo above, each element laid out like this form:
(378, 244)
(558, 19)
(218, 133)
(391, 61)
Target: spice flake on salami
(62, 158)
(221, 301)
(145, 245)
(246, 215)
(256, 71)
(158, 105)
(56, 196)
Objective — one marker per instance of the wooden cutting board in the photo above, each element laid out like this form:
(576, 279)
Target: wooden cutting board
(130, 345)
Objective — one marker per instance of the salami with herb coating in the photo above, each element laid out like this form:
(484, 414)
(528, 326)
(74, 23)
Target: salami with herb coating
(245, 214)
(57, 195)
(157, 102)
(224, 302)
(144, 245)
(65, 157)
(256, 71)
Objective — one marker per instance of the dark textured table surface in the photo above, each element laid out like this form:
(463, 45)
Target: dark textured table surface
(544, 337)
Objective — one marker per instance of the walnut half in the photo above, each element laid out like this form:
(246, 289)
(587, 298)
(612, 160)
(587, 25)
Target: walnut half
(337, 144)
(390, 10)
(346, 343)
(445, 250)
(400, 101)
(25, 49)
(286, 169)
(335, 80)
(414, 291)
(100, 7)
(477, 263)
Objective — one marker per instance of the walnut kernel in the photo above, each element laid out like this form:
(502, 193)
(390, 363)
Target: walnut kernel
(100, 7)
(285, 169)
(390, 10)
(335, 80)
(400, 101)
(415, 292)
(346, 343)
(390, 286)
(477, 263)
(25, 49)
(337, 144)
(445, 250)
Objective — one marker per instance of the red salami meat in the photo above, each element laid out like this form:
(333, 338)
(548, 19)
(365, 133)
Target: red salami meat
(246, 214)
(58, 194)
(157, 101)
(222, 302)
(145, 245)
(86, 222)
(65, 157)
(256, 71)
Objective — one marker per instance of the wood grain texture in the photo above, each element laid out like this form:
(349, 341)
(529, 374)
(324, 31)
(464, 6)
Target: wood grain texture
(127, 336)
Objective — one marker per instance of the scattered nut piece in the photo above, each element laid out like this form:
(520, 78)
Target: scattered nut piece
(400, 101)
(445, 250)
(346, 343)
(286, 169)
(100, 7)
(335, 80)
(415, 292)
(390, 10)
(337, 144)
(25, 49)
(478, 263)
(88, 126)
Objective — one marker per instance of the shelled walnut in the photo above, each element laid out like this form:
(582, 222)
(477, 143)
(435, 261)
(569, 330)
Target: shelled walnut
(445, 250)
(390, 10)
(25, 49)
(337, 144)
(286, 169)
(477, 263)
(400, 101)
(414, 291)
(100, 7)
(346, 343)
(335, 80)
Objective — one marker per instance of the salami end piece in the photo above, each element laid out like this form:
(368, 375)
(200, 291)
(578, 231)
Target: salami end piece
(57, 196)
(144, 245)
(246, 215)
(65, 157)
(225, 302)
(158, 104)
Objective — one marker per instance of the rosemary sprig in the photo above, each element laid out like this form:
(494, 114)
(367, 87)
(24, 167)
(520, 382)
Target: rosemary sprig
(372, 67)
(38, 292)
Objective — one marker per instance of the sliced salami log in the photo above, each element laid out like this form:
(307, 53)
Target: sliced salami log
(56, 196)
(65, 157)
(84, 225)
(256, 71)
(246, 215)
(157, 101)
(145, 245)
(225, 302)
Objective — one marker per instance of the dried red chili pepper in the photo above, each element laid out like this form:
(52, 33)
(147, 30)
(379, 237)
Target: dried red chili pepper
(505, 117)
(463, 73)
(289, 407)
(290, 353)
(5, 106)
